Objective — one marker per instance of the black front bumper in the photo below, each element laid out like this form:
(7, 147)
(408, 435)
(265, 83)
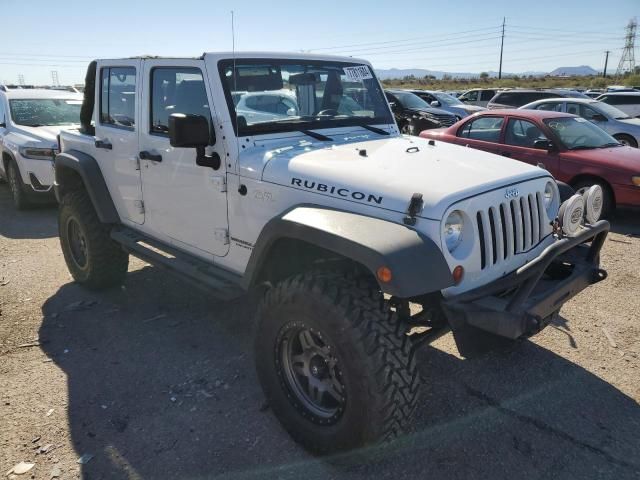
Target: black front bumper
(524, 302)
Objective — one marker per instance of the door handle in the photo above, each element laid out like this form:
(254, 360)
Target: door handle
(103, 144)
(146, 155)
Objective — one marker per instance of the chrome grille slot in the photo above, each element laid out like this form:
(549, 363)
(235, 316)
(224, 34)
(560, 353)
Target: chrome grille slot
(512, 227)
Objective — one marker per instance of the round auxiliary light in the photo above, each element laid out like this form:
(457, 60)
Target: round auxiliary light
(571, 215)
(593, 202)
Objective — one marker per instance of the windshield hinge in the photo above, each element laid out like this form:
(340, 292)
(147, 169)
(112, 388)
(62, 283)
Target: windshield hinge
(137, 163)
(221, 235)
(139, 204)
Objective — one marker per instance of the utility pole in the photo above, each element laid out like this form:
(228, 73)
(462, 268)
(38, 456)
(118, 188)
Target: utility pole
(54, 78)
(628, 59)
(20, 79)
(504, 19)
(606, 60)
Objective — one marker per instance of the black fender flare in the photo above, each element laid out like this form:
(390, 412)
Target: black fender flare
(416, 262)
(87, 167)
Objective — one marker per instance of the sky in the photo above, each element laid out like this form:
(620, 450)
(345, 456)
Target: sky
(41, 36)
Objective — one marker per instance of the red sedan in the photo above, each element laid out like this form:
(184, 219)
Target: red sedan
(573, 149)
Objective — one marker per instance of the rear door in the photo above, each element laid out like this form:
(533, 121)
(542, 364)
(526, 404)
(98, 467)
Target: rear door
(482, 133)
(485, 97)
(116, 137)
(520, 136)
(185, 204)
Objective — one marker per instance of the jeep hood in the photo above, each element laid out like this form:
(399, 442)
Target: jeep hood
(385, 173)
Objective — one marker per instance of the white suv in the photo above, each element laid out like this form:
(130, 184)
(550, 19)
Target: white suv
(30, 120)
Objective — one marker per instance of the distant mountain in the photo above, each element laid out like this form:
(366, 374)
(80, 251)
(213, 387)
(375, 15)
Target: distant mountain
(383, 74)
(581, 71)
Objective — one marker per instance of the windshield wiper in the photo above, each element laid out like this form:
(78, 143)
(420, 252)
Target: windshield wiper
(316, 135)
(375, 129)
(610, 144)
(583, 147)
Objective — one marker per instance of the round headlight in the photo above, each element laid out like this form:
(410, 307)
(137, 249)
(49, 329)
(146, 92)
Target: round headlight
(550, 199)
(453, 227)
(571, 215)
(593, 201)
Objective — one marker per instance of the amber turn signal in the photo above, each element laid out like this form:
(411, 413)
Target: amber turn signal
(458, 273)
(384, 274)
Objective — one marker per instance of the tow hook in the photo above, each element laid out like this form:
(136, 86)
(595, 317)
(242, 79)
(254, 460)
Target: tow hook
(599, 275)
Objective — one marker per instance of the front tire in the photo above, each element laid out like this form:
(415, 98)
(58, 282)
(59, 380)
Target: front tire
(334, 362)
(92, 257)
(627, 140)
(17, 187)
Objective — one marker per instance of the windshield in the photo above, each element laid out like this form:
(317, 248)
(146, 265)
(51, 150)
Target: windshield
(610, 111)
(448, 100)
(578, 133)
(286, 95)
(410, 100)
(36, 112)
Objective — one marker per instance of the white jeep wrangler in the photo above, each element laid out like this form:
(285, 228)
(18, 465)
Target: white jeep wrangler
(345, 221)
(30, 120)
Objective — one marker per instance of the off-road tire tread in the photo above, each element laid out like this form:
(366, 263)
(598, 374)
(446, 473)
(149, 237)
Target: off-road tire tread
(108, 261)
(22, 202)
(396, 385)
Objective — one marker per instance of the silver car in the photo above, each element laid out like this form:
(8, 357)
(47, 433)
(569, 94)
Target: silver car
(448, 103)
(613, 121)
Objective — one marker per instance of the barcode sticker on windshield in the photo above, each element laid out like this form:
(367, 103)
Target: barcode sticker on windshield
(356, 74)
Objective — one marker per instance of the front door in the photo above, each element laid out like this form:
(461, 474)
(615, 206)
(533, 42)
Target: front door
(519, 143)
(184, 203)
(117, 122)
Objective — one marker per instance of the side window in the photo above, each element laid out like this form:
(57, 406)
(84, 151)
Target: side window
(550, 107)
(176, 90)
(486, 129)
(2, 113)
(573, 108)
(487, 95)
(522, 133)
(589, 113)
(118, 97)
(471, 96)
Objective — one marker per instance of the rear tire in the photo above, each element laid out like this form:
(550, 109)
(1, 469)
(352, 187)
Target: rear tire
(608, 204)
(92, 257)
(626, 140)
(17, 186)
(334, 362)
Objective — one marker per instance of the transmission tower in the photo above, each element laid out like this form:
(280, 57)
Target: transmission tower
(54, 78)
(628, 59)
(20, 79)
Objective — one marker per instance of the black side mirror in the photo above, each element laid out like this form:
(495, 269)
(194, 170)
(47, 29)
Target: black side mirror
(598, 117)
(543, 145)
(3, 125)
(189, 131)
(192, 131)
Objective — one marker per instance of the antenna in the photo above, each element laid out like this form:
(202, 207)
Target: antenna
(235, 79)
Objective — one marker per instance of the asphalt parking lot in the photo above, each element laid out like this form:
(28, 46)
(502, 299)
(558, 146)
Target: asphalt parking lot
(155, 380)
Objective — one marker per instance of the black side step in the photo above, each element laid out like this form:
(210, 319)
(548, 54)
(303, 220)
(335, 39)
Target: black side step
(220, 283)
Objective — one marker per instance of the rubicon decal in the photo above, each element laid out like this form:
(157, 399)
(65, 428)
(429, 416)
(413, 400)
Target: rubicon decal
(336, 191)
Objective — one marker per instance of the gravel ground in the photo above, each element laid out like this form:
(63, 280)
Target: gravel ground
(156, 381)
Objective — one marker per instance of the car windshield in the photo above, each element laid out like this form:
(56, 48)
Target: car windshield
(287, 95)
(446, 99)
(36, 112)
(410, 100)
(610, 111)
(577, 133)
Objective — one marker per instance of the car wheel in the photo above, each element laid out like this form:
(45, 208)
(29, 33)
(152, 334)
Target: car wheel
(608, 203)
(627, 140)
(334, 362)
(17, 186)
(92, 257)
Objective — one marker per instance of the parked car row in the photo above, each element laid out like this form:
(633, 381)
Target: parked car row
(572, 148)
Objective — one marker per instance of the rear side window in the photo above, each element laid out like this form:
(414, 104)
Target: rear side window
(487, 95)
(486, 129)
(550, 107)
(118, 97)
(518, 99)
(621, 99)
(471, 96)
(2, 114)
(176, 90)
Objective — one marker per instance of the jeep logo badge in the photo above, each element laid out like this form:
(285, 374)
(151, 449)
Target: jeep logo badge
(511, 193)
